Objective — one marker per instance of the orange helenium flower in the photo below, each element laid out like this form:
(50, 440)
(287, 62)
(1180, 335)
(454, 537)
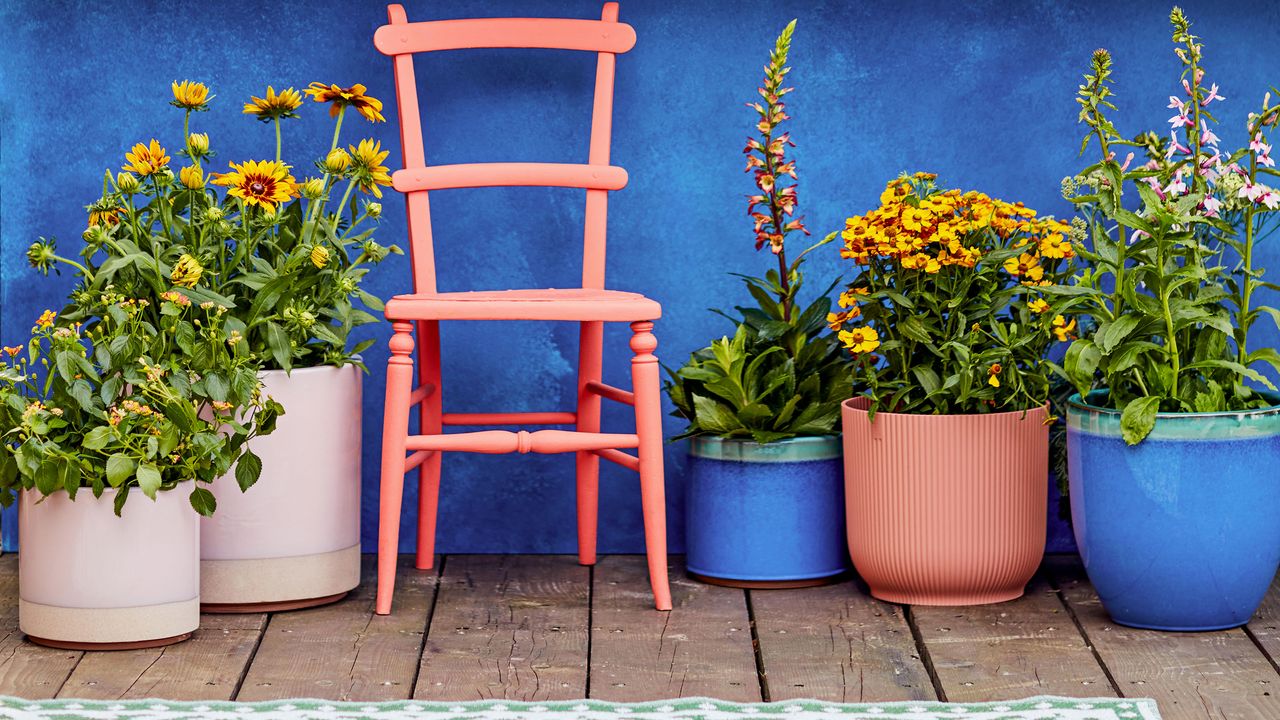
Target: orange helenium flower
(266, 183)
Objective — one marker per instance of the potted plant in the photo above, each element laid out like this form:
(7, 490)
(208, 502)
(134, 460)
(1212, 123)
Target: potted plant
(289, 264)
(946, 441)
(1174, 437)
(147, 398)
(764, 492)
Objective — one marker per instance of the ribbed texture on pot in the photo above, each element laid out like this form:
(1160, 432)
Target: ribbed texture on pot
(945, 509)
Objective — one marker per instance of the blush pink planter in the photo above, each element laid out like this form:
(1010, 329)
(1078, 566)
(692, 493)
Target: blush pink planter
(945, 509)
(293, 539)
(90, 580)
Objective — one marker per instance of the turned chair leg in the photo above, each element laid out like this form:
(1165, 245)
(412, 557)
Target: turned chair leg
(430, 422)
(645, 384)
(395, 431)
(590, 350)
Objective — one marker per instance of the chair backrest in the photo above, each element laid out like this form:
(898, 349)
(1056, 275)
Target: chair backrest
(607, 37)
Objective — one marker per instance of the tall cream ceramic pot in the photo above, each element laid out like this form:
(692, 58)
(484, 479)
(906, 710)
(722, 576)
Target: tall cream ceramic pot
(293, 539)
(89, 580)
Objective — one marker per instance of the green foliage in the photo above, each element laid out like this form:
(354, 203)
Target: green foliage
(1169, 281)
(776, 378)
(133, 400)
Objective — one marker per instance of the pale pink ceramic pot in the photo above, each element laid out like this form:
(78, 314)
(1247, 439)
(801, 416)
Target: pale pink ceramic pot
(945, 509)
(293, 539)
(90, 580)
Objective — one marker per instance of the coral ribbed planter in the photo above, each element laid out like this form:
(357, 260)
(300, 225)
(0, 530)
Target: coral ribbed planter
(945, 509)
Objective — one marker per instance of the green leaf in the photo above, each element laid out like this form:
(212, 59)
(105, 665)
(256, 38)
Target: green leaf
(1080, 363)
(248, 470)
(97, 438)
(120, 468)
(149, 479)
(1113, 333)
(1138, 419)
(278, 344)
(203, 501)
(714, 417)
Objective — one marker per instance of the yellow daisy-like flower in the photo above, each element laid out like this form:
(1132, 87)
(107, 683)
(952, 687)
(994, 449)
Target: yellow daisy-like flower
(274, 106)
(1025, 265)
(191, 177)
(146, 160)
(319, 256)
(266, 183)
(186, 272)
(190, 95)
(368, 170)
(1056, 246)
(860, 340)
(993, 375)
(103, 213)
(339, 97)
(1063, 329)
(46, 319)
(1038, 306)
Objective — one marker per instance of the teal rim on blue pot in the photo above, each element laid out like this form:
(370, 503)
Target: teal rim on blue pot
(1178, 532)
(765, 512)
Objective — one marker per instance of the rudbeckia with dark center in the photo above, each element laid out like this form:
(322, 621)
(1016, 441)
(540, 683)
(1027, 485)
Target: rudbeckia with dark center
(272, 106)
(265, 183)
(339, 97)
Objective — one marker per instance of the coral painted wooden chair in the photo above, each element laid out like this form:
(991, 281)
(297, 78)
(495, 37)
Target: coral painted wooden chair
(591, 305)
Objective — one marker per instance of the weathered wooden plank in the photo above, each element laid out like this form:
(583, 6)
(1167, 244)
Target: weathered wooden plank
(1006, 651)
(344, 651)
(1191, 675)
(702, 647)
(510, 627)
(1265, 626)
(837, 643)
(209, 666)
(26, 670)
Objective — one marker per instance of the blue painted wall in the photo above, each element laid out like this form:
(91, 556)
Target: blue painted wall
(980, 92)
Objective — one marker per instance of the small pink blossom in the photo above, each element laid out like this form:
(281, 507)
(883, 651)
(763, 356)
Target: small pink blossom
(1206, 134)
(1251, 192)
(1211, 206)
(1271, 199)
(1176, 186)
(1175, 103)
(1180, 120)
(1213, 95)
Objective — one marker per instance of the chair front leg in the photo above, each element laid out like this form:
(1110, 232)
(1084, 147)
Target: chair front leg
(645, 384)
(590, 350)
(430, 422)
(395, 431)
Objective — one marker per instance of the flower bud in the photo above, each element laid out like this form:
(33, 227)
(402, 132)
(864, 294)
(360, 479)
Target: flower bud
(373, 209)
(213, 214)
(192, 177)
(337, 161)
(198, 144)
(127, 183)
(319, 256)
(312, 189)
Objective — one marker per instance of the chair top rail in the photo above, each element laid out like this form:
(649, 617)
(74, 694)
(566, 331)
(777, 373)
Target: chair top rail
(518, 174)
(473, 33)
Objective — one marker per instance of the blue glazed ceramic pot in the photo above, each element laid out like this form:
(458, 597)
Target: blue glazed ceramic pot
(770, 514)
(1179, 532)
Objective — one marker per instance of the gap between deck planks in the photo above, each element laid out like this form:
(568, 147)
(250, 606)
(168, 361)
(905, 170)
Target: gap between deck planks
(545, 628)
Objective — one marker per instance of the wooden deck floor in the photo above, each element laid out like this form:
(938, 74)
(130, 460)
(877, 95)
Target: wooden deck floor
(542, 628)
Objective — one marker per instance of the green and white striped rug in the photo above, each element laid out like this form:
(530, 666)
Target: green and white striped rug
(1039, 708)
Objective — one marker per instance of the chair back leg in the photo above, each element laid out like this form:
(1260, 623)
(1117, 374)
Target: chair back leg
(430, 422)
(590, 359)
(395, 431)
(645, 384)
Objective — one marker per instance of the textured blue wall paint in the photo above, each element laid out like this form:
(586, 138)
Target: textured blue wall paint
(980, 92)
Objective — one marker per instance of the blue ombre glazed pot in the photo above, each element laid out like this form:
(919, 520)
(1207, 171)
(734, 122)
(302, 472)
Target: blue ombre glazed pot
(1180, 532)
(765, 515)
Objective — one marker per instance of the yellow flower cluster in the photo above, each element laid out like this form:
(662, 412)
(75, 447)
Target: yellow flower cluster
(929, 229)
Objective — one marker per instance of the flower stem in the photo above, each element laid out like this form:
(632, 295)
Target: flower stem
(276, 121)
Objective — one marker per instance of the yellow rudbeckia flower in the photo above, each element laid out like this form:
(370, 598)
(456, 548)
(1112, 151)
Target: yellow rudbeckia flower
(265, 183)
(273, 106)
(146, 160)
(339, 97)
(367, 167)
(190, 95)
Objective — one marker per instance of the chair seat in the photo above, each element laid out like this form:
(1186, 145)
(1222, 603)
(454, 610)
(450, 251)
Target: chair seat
(577, 304)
